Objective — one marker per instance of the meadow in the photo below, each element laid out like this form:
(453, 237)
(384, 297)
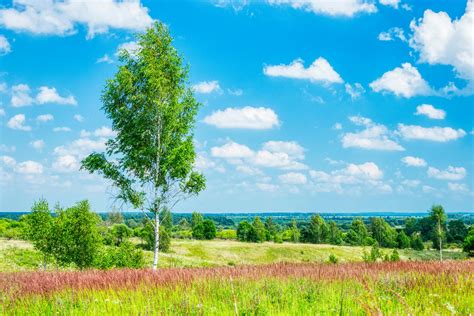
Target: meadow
(403, 288)
(19, 255)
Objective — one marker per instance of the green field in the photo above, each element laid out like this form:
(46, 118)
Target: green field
(16, 255)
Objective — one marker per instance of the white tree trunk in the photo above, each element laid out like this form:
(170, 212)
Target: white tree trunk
(157, 239)
(440, 242)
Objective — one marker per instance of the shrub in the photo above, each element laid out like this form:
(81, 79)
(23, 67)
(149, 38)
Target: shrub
(148, 236)
(124, 256)
(227, 234)
(394, 256)
(333, 259)
(209, 229)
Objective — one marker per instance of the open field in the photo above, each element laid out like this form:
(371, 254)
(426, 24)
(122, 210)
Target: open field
(428, 288)
(17, 255)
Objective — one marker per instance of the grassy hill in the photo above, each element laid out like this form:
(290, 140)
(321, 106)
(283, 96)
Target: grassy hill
(20, 255)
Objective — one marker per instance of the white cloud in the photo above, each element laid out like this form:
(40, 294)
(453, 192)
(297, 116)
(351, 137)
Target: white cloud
(6, 148)
(206, 87)
(29, 167)
(373, 137)
(347, 8)
(45, 117)
(319, 71)
(246, 118)
(104, 59)
(457, 187)
(130, 47)
(21, 95)
(66, 163)
(274, 154)
(352, 177)
(51, 17)
(37, 144)
(293, 178)
(104, 131)
(392, 3)
(235, 92)
(231, 150)
(78, 118)
(337, 126)
(436, 134)
(5, 47)
(293, 149)
(413, 161)
(430, 111)
(405, 81)
(50, 95)
(61, 129)
(440, 40)
(451, 174)
(8, 161)
(354, 91)
(18, 122)
(428, 189)
(391, 34)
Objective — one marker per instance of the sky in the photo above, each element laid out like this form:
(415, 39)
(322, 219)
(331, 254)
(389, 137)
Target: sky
(307, 105)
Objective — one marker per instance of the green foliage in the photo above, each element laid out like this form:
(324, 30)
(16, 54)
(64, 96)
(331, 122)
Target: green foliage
(197, 225)
(374, 254)
(358, 234)
(244, 231)
(403, 240)
(39, 226)
(457, 231)
(75, 236)
(271, 229)
(227, 234)
(148, 236)
(150, 159)
(468, 245)
(114, 217)
(416, 242)
(294, 232)
(166, 219)
(318, 230)
(258, 232)
(383, 233)
(120, 232)
(395, 256)
(333, 259)
(124, 256)
(209, 229)
(334, 234)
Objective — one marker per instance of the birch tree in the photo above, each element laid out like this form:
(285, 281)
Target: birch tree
(150, 160)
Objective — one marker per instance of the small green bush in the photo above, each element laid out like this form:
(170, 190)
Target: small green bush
(333, 259)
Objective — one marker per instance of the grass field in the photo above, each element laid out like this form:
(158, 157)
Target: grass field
(17, 255)
(402, 288)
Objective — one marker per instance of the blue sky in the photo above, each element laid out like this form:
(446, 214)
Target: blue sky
(308, 105)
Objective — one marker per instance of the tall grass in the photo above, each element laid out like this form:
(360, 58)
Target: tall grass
(300, 289)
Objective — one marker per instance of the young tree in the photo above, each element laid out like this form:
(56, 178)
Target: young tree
(244, 231)
(417, 242)
(197, 225)
(271, 228)
(358, 233)
(468, 245)
(120, 232)
(294, 232)
(318, 230)
(258, 230)
(383, 233)
(209, 229)
(403, 240)
(114, 217)
(39, 227)
(457, 231)
(335, 234)
(151, 158)
(439, 217)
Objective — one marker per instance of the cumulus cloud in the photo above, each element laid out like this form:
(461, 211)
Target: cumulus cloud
(436, 134)
(440, 40)
(457, 187)
(245, 118)
(293, 178)
(206, 87)
(373, 137)
(391, 3)
(37, 144)
(346, 8)
(5, 47)
(404, 81)
(52, 17)
(392, 34)
(66, 163)
(18, 122)
(273, 154)
(129, 47)
(319, 71)
(451, 174)
(21, 95)
(414, 161)
(45, 118)
(29, 167)
(267, 187)
(430, 111)
(355, 91)
(50, 95)
(61, 129)
(78, 118)
(353, 176)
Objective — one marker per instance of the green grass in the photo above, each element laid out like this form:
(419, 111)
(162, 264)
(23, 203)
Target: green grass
(393, 294)
(20, 255)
